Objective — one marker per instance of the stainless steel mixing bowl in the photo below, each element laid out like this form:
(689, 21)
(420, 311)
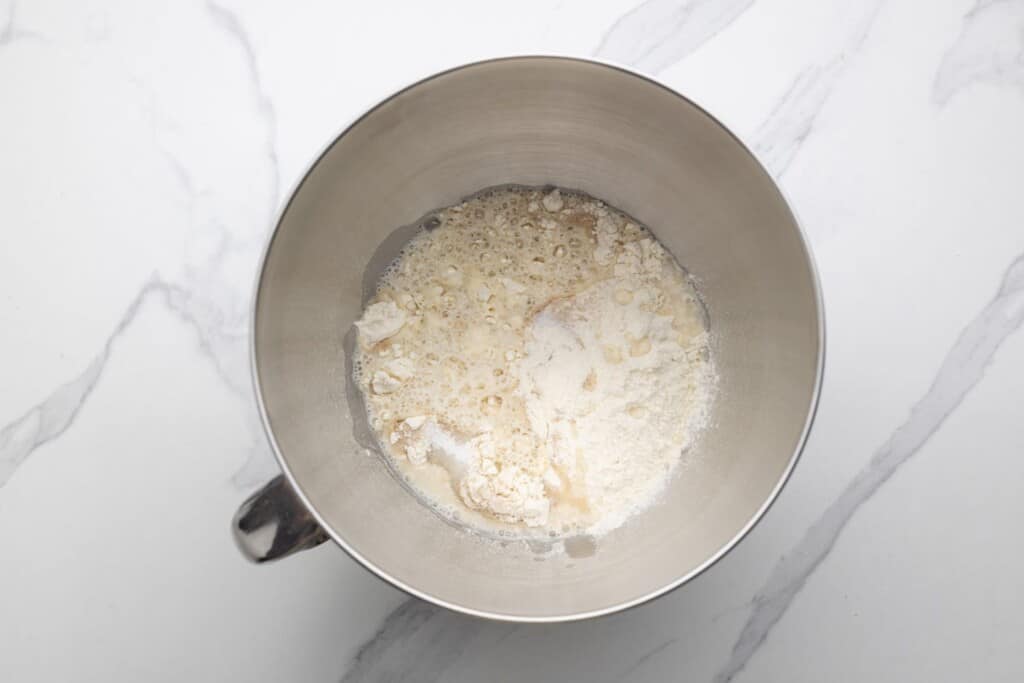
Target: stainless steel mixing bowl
(534, 121)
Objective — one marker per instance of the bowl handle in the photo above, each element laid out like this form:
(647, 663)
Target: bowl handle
(273, 523)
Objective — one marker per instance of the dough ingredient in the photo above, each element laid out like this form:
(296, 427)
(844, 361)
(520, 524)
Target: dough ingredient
(544, 352)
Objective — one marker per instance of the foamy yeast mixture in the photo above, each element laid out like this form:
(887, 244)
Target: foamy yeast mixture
(535, 361)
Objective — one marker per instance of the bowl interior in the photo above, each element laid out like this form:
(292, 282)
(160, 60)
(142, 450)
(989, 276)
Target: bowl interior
(535, 121)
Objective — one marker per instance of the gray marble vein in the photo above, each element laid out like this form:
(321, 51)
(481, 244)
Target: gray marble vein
(989, 49)
(779, 138)
(51, 417)
(202, 298)
(217, 311)
(259, 465)
(963, 367)
(233, 27)
(645, 657)
(659, 33)
(13, 31)
(792, 119)
(8, 33)
(206, 296)
(417, 642)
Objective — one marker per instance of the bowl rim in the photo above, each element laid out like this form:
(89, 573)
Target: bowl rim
(569, 616)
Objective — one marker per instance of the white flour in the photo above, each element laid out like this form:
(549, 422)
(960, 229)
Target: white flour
(614, 395)
(541, 354)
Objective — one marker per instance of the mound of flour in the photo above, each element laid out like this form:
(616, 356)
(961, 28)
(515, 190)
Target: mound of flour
(542, 354)
(613, 395)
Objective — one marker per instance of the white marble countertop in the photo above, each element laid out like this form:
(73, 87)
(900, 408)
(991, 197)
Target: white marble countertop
(144, 148)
